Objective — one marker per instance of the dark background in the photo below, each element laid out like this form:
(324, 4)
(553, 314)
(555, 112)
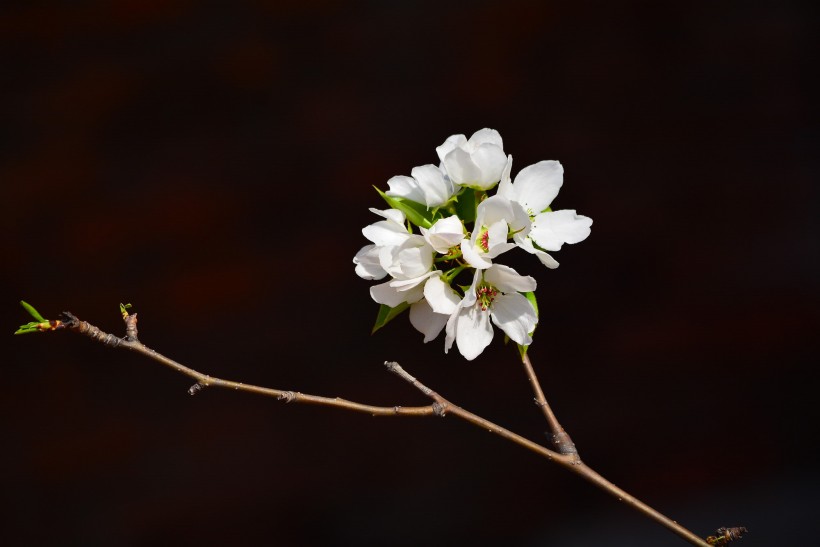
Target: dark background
(214, 167)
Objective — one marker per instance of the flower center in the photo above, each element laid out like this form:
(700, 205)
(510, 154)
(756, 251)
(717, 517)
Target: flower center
(484, 239)
(486, 294)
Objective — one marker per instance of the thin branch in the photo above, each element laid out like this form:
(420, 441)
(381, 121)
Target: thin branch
(560, 438)
(440, 407)
(132, 343)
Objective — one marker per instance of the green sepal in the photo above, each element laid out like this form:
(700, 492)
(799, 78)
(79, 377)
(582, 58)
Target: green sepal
(32, 312)
(416, 213)
(466, 205)
(530, 295)
(387, 314)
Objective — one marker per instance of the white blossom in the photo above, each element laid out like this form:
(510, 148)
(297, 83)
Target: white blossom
(475, 163)
(493, 297)
(427, 185)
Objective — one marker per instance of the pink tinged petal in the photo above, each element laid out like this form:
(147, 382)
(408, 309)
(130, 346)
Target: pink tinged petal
(490, 160)
(437, 188)
(405, 187)
(473, 331)
(514, 314)
(440, 296)
(506, 279)
(426, 321)
(552, 229)
(367, 263)
(452, 142)
(537, 185)
(472, 256)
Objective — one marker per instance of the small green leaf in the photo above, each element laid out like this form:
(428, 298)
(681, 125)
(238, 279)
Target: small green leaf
(466, 205)
(387, 314)
(34, 313)
(28, 327)
(416, 213)
(124, 308)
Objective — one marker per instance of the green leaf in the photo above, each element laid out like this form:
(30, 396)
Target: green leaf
(416, 213)
(124, 309)
(34, 313)
(466, 205)
(28, 327)
(387, 314)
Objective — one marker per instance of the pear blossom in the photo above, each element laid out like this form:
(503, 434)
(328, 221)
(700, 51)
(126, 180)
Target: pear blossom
(534, 188)
(447, 224)
(494, 296)
(475, 163)
(410, 265)
(444, 234)
(427, 184)
(496, 218)
(385, 233)
(430, 314)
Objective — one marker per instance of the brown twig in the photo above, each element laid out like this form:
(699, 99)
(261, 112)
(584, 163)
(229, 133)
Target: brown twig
(440, 407)
(560, 438)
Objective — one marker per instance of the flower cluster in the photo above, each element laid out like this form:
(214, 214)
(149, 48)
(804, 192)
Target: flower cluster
(462, 229)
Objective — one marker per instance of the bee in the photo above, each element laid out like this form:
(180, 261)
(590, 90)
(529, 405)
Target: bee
(726, 535)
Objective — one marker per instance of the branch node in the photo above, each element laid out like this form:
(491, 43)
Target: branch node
(287, 396)
(439, 409)
(131, 327)
(563, 443)
(196, 388)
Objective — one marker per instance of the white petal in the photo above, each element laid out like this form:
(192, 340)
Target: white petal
(473, 331)
(387, 295)
(390, 214)
(497, 239)
(514, 314)
(444, 234)
(452, 142)
(405, 187)
(525, 243)
(367, 263)
(437, 188)
(505, 187)
(537, 185)
(490, 160)
(402, 285)
(552, 229)
(506, 279)
(460, 167)
(441, 297)
(426, 321)
(412, 258)
(472, 256)
(486, 135)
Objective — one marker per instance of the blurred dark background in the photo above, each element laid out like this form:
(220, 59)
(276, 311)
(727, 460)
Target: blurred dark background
(214, 167)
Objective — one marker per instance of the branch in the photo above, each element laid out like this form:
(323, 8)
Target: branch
(560, 438)
(440, 407)
(131, 342)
